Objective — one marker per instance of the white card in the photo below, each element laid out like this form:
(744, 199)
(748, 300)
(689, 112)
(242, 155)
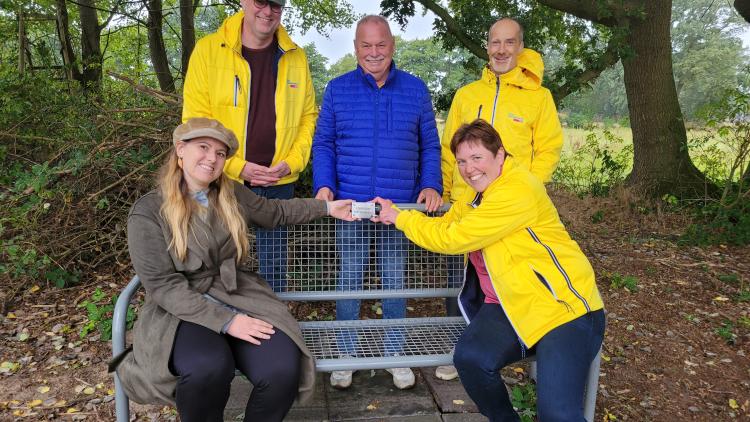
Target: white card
(364, 210)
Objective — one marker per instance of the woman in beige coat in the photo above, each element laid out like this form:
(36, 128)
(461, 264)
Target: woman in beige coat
(204, 315)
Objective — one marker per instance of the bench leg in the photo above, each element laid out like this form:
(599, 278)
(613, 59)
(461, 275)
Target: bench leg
(592, 386)
(122, 409)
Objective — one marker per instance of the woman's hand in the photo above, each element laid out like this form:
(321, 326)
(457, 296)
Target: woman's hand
(250, 329)
(388, 214)
(341, 209)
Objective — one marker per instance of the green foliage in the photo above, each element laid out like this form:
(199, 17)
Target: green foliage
(523, 398)
(318, 69)
(707, 56)
(726, 332)
(99, 315)
(627, 282)
(597, 217)
(58, 147)
(596, 166)
(18, 261)
(725, 154)
(743, 296)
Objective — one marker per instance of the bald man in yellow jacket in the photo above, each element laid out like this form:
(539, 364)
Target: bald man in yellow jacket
(509, 96)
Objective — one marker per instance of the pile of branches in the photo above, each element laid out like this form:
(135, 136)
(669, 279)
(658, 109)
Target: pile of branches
(67, 198)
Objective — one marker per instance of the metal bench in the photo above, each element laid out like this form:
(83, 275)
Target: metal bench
(312, 267)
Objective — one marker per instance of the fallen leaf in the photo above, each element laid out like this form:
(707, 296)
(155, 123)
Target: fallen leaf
(733, 404)
(458, 402)
(71, 410)
(605, 358)
(43, 389)
(23, 336)
(371, 407)
(78, 389)
(34, 289)
(721, 298)
(11, 315)
(34, 403)
(88, 390)
(518, 370)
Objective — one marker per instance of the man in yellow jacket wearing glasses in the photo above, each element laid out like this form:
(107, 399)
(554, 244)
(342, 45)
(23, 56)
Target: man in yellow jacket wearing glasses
(509, 96)
(256, 81)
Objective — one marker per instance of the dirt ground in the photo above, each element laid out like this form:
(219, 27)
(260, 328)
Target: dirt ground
(676, 346)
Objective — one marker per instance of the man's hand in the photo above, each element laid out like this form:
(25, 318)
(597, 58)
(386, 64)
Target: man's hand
(326, 194)
(341, 209)
(387, 214)
(279, 170)
(250, 329)
(259, 175)
(431, 199)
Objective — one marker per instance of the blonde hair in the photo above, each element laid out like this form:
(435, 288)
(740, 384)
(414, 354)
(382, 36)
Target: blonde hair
(179, 207)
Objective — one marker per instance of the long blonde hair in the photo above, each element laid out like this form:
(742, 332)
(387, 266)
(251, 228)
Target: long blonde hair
(179, 206)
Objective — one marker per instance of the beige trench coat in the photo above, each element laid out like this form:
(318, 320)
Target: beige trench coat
(174, 289)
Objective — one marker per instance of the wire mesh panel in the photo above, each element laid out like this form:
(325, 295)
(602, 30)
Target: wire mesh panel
(330, 259)
(377, 344)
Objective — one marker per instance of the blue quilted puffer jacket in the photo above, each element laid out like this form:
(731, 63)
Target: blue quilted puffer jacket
(372, 141)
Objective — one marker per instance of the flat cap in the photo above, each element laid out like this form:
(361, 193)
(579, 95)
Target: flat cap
(201, 126)
(281, 2)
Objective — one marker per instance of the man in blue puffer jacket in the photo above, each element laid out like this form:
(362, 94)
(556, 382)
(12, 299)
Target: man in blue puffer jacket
(375, 136)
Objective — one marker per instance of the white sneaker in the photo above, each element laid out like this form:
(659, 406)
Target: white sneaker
(341, 379)
(403, 378)
(446, 372)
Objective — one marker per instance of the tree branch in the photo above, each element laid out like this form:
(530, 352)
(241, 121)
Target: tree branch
(605, 13)
(455, 29)
(608, 58)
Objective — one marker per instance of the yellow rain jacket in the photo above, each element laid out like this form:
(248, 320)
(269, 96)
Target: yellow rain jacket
(217, 85)
(519, 108)
(540, 275)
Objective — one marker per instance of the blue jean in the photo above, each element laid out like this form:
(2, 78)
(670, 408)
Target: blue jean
(353, 245)
(563, 358)
(271, 244)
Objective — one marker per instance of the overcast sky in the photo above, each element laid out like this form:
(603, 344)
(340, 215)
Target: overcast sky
(340, 42)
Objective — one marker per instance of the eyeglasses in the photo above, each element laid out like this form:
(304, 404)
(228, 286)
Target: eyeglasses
(261, 4)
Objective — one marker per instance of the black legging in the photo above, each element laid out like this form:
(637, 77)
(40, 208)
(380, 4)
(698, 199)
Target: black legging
(205, 362)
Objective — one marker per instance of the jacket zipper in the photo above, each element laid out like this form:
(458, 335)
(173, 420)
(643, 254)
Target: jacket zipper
(494, 105)
(376, 136)
(492, 283)
(559, 268)
(236, 88)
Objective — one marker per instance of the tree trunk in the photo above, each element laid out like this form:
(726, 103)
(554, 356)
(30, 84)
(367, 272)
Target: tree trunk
(156, 46)
(91, 51)
(187, 29)
(743, 8)
(69, 56)
(661, 163)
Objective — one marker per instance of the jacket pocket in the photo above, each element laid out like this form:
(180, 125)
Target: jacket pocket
(545, 283)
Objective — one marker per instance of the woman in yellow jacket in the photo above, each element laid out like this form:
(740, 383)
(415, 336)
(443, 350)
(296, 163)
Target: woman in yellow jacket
(528, 288)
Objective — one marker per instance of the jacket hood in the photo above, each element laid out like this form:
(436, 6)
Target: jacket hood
(231, 29)
(528, 74)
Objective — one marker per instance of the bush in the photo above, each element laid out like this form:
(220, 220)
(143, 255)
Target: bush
(725, 220)
(596, 166)
(74, 167)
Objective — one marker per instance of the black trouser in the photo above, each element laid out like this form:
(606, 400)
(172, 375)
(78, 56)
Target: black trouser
(205, 362)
